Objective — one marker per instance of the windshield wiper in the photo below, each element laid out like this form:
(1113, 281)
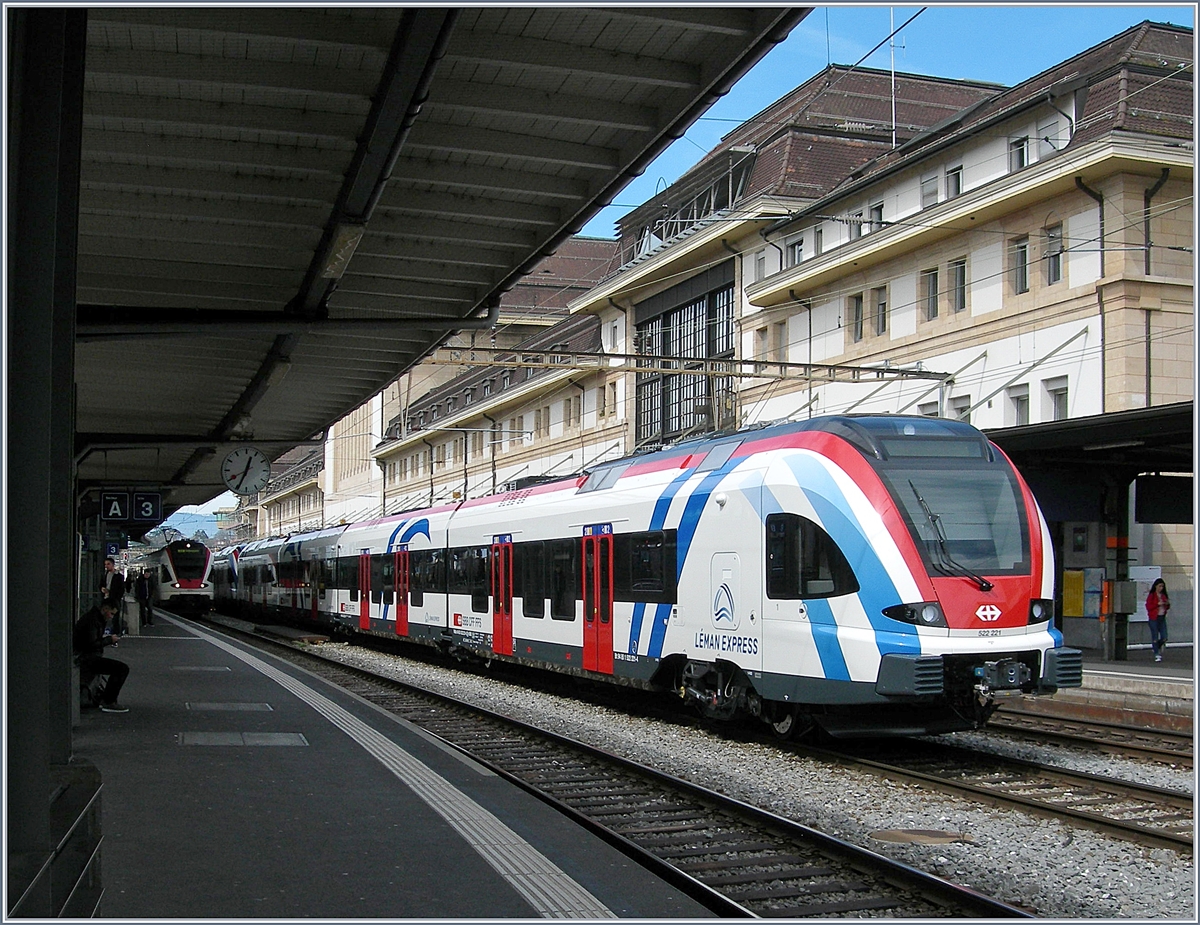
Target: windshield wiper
(947, 562)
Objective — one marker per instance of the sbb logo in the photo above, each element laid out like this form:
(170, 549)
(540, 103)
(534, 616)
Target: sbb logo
(988, 613)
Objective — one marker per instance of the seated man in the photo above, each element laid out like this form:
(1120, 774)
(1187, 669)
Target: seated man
(89, 643)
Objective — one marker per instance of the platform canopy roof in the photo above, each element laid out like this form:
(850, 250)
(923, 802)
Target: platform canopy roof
(282, 210)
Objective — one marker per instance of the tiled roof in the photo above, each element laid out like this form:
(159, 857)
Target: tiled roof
(1153, 83)
(544, 293)
(842, 118)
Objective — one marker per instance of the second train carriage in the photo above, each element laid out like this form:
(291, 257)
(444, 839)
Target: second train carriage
(870, 574)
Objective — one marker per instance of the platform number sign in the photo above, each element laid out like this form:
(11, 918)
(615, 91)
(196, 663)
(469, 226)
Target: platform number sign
(147, 505)
(114, 505)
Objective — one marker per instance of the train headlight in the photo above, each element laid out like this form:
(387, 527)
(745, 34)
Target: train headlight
(1041, 611)
(923, 614)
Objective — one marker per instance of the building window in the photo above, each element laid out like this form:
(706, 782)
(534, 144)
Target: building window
(760, 265)
(879, 309)
(1054, 250)
(954, 185)
(818, 241)
(1020, 264)
(960, 408)
(929, 409)
(1056, 398)
(855, 311)
(515, 427)
(929, 191)
(571, 411)
(875, 216)
(1018, 153)
(669, 404)
(856, 225)
(958, 284)
(439, 456)
(929, 293)
(1018, 405)
(476, 444)
(762, 344)
(795, 252)
(487, 387)
(779, 342)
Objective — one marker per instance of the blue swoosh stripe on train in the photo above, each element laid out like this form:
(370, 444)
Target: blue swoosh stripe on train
(876, 587)
(824, 633)
(419, 526)
(683, 540)
(657, 519)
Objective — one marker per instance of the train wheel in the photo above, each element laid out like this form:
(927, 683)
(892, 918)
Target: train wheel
(785, 722)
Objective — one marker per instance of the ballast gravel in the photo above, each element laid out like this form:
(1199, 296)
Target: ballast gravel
(1051, 868)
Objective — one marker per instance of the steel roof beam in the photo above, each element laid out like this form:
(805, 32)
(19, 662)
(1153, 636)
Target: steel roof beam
(344, 85)
(459, 139)
(414, 170)
(104, 322)
(496, 100)
(455, 206)
(561, 58)
(174, 114)
(295, 23)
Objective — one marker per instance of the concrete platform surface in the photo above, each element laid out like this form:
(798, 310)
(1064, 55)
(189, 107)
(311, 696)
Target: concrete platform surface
(240, 787)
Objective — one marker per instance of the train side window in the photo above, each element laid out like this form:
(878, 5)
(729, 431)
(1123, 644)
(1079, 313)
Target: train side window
(564, 578)
(320, 576)
(426, 574)
(383, 578)
(644, 567)
(347, 575)
(803, 561)
(529, 578)
(468, 574)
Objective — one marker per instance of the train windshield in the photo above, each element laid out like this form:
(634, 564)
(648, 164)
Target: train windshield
(966, 514)
(189, 562)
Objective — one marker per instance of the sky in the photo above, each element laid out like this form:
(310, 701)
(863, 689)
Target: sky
(1002, 44)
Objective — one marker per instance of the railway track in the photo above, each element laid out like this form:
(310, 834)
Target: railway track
(1147, 815)
(1175, 748)
(736, 859)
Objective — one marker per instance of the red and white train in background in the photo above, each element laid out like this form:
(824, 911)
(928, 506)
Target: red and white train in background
(865, 574)
(181, 577)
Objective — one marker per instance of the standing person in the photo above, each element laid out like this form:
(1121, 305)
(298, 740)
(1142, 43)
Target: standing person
(112, 590)
(1157, 605)
(89, 641)
(141, 591)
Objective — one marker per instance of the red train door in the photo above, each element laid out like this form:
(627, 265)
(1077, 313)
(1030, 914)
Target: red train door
(364, 589)
(598, 602)
(501, 588)
(401, 572)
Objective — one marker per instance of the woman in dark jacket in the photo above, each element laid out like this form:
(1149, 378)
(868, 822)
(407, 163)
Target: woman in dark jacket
(1157, 605)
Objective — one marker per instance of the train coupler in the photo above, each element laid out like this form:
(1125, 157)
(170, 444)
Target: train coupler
(1006, 677)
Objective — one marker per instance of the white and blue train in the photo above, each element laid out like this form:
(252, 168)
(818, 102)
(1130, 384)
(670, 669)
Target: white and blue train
(866, 575)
